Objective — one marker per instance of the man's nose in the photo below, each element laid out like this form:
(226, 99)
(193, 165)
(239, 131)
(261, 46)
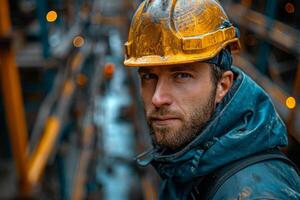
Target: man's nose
(162, 94)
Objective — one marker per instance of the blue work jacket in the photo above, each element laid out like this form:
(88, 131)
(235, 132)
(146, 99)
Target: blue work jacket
(244, 123)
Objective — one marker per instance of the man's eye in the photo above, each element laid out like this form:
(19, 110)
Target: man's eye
(148, 76)
(183, 75)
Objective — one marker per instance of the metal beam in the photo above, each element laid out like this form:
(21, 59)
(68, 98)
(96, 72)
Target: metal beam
(52, 131)
(41, 14)
(84, 161)
(280, 35)
(5, 23)
(12, 98)
(47, 144)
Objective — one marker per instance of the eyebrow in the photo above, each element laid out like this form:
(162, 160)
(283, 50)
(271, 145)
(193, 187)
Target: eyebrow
(143, 70)
(171, 69)
(183, 68)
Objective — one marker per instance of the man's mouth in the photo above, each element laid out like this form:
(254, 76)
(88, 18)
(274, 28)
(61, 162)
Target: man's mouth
(163, 121)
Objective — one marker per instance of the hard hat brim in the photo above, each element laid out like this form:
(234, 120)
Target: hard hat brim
(154, 60)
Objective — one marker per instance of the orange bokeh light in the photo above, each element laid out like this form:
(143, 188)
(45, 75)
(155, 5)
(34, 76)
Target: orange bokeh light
(289, 8)
(291, 102)
(51, 16)
(78, 41)
(109, 69)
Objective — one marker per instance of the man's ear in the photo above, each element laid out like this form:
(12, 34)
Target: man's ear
(224, 85)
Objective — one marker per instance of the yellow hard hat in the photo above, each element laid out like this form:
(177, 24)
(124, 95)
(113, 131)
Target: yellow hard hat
(167, 32)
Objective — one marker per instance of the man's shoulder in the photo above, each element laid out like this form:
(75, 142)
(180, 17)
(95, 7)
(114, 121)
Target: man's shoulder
(265, 180)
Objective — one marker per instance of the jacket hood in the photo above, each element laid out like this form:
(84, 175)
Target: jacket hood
(244, 123)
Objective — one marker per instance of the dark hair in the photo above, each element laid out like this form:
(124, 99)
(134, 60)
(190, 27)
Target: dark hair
(216, 74)
(220, 64)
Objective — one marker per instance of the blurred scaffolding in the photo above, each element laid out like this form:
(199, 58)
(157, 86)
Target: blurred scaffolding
(73, 135)
(71, 118)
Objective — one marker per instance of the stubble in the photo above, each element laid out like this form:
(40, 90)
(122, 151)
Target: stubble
(173, 139)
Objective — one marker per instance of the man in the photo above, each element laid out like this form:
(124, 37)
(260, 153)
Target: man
(215, 131)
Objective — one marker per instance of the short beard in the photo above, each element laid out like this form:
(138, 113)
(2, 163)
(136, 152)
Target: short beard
(177, 139)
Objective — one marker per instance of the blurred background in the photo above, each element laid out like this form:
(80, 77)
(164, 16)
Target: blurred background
(71, 120)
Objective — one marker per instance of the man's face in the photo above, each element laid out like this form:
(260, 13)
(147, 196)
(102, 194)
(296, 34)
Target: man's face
(178, 101)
